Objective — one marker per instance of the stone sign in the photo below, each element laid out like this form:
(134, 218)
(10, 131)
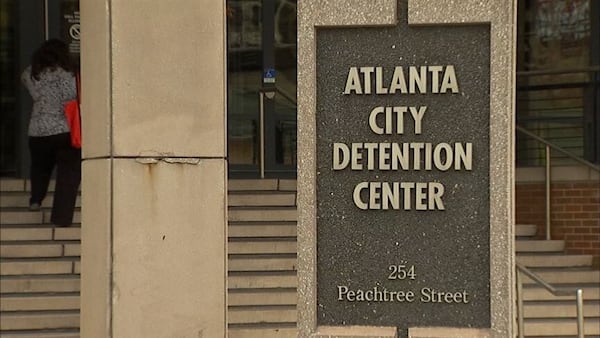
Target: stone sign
(402, 231)
(403, 176)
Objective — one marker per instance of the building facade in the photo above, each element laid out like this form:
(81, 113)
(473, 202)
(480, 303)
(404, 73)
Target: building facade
(181, 95)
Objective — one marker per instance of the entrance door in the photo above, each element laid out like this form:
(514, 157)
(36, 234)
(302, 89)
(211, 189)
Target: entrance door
(262, 111)
(24, 25)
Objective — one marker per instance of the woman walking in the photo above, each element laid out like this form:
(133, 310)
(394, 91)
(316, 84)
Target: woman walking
(51, 82)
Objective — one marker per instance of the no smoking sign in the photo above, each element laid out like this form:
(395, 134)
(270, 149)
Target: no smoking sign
(74, 31)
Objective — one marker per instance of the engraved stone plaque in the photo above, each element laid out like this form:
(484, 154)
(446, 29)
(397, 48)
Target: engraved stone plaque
(402, 127)
(405, 167)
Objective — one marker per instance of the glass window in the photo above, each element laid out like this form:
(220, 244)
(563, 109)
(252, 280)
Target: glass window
(554, 77)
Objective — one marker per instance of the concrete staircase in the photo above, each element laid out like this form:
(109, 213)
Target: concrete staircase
(262, 258)
(39, 282)
(545, 314)
(39, 268)
(40, 265)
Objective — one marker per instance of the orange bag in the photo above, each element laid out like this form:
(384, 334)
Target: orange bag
(73, 116)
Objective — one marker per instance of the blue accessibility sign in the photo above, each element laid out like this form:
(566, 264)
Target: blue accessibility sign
(269, 75)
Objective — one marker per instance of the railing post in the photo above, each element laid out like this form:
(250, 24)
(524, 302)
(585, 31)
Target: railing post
(268, 93)
(520, 270)
(580, 328)
(520, 320)
(548, 187)
(262, 133)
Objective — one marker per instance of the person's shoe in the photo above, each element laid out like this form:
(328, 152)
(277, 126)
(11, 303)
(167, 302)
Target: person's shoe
(34, 207)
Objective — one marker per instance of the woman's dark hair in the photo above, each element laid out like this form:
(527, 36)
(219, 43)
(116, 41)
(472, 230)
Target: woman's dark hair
(50, 55)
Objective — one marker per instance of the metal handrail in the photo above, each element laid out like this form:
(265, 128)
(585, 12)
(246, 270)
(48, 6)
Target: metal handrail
(590, 69)
(548, 179)
(559, 149)
(269, 93)
(555, 291)
(261, 124)
(292, 100)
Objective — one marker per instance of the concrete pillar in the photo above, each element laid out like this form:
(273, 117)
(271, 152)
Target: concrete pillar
(154, 170)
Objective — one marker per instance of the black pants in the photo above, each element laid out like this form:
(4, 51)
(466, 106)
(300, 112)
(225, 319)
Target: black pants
(46, 153)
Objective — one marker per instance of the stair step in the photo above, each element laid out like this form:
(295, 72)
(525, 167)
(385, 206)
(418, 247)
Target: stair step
(565, 276)
(287, 331)
(72, 333)
(248, 281)
(254, 199)
(36, 302)
(49, 283)
(261, 314)
(39, 232)
(21, 217)
(13, 217)
(263, 247)
(67, 233)
(26, 234)
(36, 267)
(43, 320)
(560, 327)
(533, 293)
(21, 200)
(76, 216)
(525, 230)
(562, 309)
(555, 260)
(277, 296)
(51, 185)
(261, 185)
(31, 250)
(12, 184)
(263, 214)
(252, 263)
(262, 230)
(42, 249)
(252, 184)
(288, 184)
(539, 246)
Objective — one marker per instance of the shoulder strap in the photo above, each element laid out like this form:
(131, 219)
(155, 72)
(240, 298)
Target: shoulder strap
(78, 80)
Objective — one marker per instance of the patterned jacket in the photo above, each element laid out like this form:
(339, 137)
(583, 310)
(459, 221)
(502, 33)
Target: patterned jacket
(49, 94)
